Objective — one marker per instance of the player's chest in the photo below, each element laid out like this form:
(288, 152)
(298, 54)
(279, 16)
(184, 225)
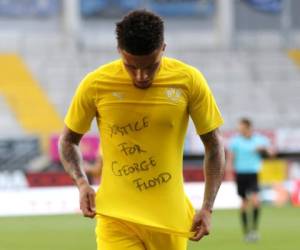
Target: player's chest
(132, 109)
(246, 147)
(158, 95)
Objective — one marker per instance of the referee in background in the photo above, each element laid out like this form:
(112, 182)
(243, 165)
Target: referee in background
(245, 153)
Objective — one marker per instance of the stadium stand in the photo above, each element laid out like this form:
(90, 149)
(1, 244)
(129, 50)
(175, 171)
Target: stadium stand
(17, 152)
(182, 8)
(15, 8)
(26, 98)
(237, 78)
(8, 121)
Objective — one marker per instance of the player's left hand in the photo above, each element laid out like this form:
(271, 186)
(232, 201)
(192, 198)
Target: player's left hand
(201, 224)
(87, 200)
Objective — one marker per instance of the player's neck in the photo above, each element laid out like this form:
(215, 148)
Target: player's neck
(247, 135)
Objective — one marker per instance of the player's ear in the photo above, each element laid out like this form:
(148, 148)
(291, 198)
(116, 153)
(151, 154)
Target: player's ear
(164, 47)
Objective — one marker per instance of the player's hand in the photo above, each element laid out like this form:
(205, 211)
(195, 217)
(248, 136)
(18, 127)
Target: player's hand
(87, 200)
(201, 224)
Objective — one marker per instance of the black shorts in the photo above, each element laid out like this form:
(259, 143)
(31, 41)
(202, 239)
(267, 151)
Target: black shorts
(246, 183)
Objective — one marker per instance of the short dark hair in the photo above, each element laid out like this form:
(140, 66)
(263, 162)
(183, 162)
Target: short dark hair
(140, 32)
(246, 122)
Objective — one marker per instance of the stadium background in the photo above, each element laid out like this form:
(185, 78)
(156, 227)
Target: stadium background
(247, 49)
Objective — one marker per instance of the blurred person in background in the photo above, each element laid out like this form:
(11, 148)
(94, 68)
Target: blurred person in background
(93, 170)
(245, 153)
(142, 104)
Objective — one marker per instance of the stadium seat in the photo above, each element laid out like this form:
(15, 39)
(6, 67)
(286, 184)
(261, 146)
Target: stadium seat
(182, 8)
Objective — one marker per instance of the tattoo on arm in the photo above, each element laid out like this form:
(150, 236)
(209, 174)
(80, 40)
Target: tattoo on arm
(70, 154)
(214, 166)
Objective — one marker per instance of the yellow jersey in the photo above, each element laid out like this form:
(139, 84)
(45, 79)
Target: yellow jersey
(142, 135)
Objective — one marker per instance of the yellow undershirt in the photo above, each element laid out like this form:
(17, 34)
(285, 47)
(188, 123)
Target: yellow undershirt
(142, 135)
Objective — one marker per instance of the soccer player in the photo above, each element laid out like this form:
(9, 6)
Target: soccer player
(245, 157)
(142, 103)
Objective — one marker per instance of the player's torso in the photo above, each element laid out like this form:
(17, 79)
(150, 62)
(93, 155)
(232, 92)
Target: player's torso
(247, 158)
(142, 130)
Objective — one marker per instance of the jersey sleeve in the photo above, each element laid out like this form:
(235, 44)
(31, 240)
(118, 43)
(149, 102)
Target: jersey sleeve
(202, 105)
(82, 109)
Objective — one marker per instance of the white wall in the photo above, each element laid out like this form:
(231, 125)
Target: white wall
(64, 200)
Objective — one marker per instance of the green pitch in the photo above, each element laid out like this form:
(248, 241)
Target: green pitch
(280, 230)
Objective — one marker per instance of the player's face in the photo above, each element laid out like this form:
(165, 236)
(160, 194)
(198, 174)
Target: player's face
(142, 69)
(244, 130)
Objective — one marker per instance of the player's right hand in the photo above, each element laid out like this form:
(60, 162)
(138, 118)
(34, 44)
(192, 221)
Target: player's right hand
(87, 200)
(201, 224)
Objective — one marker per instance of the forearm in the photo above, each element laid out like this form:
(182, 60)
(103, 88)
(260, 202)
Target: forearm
(229, 168)
(214, 166)
(71, 159)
